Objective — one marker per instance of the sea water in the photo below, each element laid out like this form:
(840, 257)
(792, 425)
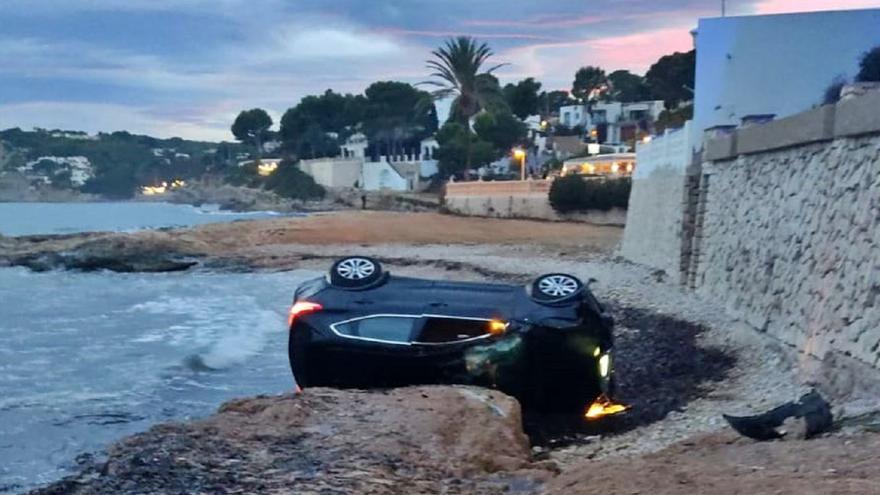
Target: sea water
(67, 218)
(87, 358)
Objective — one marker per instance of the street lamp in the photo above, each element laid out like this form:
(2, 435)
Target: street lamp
(520, 155)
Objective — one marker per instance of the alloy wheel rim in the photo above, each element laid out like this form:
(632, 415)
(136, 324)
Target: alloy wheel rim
(356, 268)
(558, 285)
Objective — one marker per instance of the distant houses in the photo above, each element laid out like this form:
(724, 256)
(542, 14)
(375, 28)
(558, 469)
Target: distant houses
(612, 122)
(604, 128)
(58, 170)
(610, 128)
(355, 168)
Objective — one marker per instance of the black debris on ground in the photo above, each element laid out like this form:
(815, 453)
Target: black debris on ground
(659, 368)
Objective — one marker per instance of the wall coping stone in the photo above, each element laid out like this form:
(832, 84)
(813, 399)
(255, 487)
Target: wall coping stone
(852, 117)
(720, 148)
(856, 116)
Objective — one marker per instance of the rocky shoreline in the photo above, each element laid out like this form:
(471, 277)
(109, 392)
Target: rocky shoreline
(409, 440)
(237, 198)
(681, 363)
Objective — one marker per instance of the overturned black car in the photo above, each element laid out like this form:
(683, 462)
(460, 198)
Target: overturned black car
(548, 344)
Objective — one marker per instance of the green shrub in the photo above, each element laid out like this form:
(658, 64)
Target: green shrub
(244, 176)
(291, 182)
(575, 193)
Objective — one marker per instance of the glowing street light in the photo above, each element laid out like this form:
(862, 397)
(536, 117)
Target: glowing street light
(520, 154)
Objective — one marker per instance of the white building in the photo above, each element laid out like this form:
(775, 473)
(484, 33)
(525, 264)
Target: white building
(775, 64)
(355, 146)
(429, 147)
(354, 168)
(618, 119)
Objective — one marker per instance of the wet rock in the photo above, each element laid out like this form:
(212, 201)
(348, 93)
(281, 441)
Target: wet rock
(411, 440)
(117, 252)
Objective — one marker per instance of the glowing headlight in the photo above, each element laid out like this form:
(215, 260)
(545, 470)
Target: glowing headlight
(604, 365)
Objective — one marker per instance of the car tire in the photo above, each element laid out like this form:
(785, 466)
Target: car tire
(355, 272)
(556, 288)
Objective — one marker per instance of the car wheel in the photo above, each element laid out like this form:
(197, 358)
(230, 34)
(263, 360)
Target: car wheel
(556, 287)
(355, 272)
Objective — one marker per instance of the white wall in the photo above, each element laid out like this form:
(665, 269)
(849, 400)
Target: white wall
(380, 175)
(667, 153)
(333, 172)
(576, 115)
(653, 234)
(776, 63)
(429, 168)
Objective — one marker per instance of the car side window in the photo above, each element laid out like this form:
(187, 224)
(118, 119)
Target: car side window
(384, 328)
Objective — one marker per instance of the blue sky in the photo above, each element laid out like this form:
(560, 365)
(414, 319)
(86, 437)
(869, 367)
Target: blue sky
(186, 67)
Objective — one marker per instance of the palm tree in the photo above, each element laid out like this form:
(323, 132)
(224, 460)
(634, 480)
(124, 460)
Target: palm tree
(456, 69)
(457, 73)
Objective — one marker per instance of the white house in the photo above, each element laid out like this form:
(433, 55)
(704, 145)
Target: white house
(353, 168)
(617, 118)
(429, 147)
(355, 146)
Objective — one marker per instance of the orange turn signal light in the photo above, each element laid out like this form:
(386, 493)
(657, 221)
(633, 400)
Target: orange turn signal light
(497, 327)
(301, 308)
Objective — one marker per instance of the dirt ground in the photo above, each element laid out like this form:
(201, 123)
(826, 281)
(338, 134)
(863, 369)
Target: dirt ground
(724, 464)
(379, 227)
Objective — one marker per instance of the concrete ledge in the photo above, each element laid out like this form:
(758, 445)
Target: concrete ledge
(852, 117)
(720, 148)
(807, 127)
(859, 115)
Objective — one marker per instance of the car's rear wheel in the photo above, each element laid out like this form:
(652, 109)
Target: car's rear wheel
(355, 272)
(556, 287)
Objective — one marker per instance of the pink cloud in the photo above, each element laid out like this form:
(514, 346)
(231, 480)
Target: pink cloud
(556, 63)
(446, 34)
(789, 6)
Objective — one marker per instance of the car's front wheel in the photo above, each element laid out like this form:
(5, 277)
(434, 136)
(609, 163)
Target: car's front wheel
(355, 272)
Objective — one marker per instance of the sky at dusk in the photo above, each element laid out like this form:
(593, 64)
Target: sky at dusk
(186, 67)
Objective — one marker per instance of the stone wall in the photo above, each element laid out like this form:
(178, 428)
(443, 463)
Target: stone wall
(518, 199)
(788, 229)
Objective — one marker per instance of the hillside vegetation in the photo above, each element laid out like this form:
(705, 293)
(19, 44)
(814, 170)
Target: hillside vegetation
(111, 165)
